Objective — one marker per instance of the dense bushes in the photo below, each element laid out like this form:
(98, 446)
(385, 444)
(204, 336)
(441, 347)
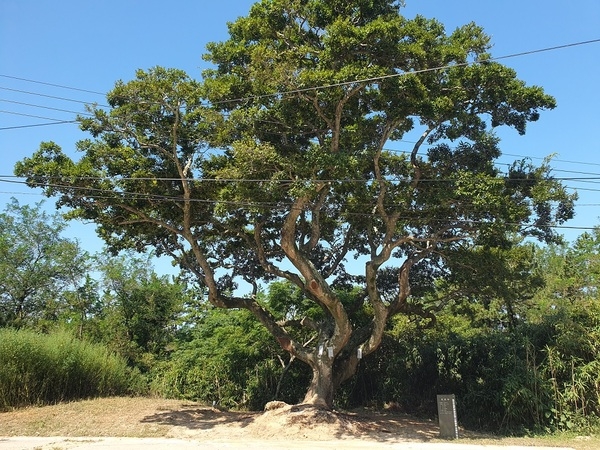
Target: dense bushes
(38, 369)
(542, 375)
(232, 361)
(528, 359)
(539, 376)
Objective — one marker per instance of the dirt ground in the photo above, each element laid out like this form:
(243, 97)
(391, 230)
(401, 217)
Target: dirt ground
(158, 418)
(143, 417)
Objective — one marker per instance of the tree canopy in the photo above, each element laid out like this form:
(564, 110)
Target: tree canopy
(37, 265)
(277, 166)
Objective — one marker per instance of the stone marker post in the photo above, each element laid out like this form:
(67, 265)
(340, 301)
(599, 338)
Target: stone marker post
(447, 416)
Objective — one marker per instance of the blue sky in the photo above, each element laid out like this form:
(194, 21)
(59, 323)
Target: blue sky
(90, 44)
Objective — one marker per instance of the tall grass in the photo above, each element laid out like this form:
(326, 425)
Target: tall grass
(37, 369)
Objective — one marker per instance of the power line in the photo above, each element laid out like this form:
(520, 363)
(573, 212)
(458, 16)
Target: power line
(127, 195)
(164, 197)
(585, 163)
(582, 189)
(30, 115)
(21, 193)
(547, 49)
(272, 205)
(332, 85)
(396, 75)
(501, 163)
(20, 91)
(366, 80)
(38, 125)
(44, 107)
(590, 179)
(52, 84)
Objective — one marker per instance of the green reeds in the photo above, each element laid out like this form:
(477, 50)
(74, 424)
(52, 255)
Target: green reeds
(38, 369)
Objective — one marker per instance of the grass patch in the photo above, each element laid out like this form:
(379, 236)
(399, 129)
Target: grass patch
(41, 369)
(101, 417)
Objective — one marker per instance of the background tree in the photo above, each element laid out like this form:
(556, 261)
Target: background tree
(84, 305)
(493, 287)
(140, 309)
(37, 266)
(305, 96)
(572, 273)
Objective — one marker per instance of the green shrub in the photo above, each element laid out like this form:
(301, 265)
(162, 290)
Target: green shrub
(541, 376)
(231, 361)
(37, 369)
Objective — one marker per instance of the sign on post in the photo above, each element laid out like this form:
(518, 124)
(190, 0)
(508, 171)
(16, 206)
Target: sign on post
(447, 416)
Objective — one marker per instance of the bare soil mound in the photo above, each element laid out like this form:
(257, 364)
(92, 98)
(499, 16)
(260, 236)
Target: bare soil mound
(159, 418)
(308, 422)
(146, 417)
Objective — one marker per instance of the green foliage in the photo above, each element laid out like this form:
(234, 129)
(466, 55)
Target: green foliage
(39, 369)
(37, 266)
(140, 310)
(231, 361)
(493, 287)
(540, 376)
(281, 178)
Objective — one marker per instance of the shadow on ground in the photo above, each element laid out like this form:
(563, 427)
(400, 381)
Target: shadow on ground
(195, 418)
(300, 422)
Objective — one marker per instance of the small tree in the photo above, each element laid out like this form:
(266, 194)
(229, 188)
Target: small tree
(84, 305)
(140, 309)
(37, 265)
(304, 98)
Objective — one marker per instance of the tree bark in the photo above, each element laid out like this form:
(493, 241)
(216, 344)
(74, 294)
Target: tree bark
(321, 389)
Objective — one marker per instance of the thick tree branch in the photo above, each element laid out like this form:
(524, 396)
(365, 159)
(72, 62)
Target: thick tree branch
(316, 285)
(305, 322)
(339, 112)
(262, 257)
(413, 156)
(315, 222)
(341, 253)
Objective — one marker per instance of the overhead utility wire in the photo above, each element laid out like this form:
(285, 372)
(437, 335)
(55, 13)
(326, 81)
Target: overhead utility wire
(38, 125)
(587, 163)
(162, 197)
(366, 80)
(395, 75)
(40, 194)
(253, 204)
(332, 85)
(57, 122)
(50, 96)
(52, 84)
(500, 163)
(530, 52)
(595, 178)
(32, 115)
(44, 107)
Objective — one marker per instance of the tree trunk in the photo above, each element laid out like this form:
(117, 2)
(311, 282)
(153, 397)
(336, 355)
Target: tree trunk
(321, 388)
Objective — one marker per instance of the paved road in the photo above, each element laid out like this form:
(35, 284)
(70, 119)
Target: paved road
(62, 443)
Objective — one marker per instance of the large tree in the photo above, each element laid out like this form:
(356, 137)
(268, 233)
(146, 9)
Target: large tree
(277, 166)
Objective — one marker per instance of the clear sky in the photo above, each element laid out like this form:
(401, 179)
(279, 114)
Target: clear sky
(89, 45)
